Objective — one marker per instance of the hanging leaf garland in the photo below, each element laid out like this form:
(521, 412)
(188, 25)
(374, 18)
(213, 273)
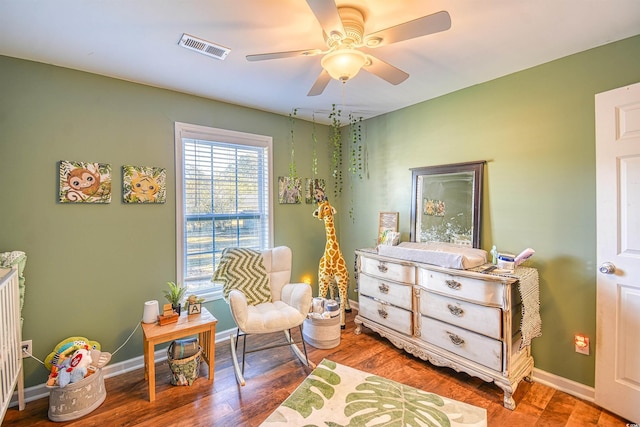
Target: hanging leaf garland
(355, 156)
(335, 140)
(292, 162)
(314, 147)
(355, 141)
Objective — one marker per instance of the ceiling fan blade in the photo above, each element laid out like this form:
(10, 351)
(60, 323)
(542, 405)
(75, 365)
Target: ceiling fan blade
(440, 21)
(278, 55)
(386, 71)
(327, 15)
(321, 83)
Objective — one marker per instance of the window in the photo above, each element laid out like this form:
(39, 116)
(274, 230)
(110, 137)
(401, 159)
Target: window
(223, 181)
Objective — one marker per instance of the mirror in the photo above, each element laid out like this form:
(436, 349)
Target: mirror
(446, 202)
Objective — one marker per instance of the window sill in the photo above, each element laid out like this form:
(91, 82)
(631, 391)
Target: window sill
(210, 295)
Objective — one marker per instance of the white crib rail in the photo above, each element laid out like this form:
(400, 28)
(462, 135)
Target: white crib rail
(10, 341)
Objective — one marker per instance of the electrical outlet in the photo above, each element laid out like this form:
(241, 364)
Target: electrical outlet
(27, 348)
(582, 344)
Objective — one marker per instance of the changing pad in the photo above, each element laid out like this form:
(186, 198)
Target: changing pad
(446, 255)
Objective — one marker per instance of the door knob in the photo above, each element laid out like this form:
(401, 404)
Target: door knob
(607, 268)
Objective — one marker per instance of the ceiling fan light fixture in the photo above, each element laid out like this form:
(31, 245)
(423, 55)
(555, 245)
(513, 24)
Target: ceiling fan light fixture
(373, 41)
(344, 64)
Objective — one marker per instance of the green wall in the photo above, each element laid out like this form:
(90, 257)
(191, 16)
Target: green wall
(91, 267)
(536, 130)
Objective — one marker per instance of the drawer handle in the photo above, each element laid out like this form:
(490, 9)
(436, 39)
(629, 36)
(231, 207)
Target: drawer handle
(455, 310)
(382, 313)
(455, 339)
(383, 288)
(382, 268)
(453, 284)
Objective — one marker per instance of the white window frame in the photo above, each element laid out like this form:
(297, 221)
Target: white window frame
(191, 131)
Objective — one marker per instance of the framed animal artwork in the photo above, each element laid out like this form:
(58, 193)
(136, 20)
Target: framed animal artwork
(84, 182)
(144, 184)
(314, 190)
(289, 190)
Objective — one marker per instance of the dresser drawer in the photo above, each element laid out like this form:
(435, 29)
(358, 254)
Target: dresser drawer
(398, 294)
(481, 291)
(385, 314)
(482, 319)
(478, 348)
(388, 270)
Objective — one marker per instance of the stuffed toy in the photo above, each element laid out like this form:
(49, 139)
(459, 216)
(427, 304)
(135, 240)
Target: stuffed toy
(60, 360)
(66, 347)
(74, 368)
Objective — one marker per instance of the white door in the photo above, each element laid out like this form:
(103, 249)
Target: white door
(617, 386)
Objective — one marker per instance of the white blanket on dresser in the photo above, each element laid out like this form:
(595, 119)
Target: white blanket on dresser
(443, 254)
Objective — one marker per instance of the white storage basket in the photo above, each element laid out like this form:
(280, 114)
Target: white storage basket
(76, 399)
(322, 333)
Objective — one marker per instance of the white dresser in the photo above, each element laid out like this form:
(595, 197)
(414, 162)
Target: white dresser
(461, 319)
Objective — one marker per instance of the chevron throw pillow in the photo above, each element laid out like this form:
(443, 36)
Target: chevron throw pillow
(243, 269)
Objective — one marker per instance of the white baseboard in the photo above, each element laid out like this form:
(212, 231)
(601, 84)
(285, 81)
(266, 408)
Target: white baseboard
(554, 381)
(41, 391)
(563, 384)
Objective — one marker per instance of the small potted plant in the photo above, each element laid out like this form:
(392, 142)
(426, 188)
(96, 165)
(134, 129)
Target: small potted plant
(174, 295)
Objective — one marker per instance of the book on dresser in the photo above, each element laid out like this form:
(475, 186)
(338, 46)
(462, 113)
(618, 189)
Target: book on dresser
(462, 319)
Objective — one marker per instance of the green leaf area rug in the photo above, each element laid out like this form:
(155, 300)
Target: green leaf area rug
(335, 395)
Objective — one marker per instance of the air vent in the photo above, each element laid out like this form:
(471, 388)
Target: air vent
(204, 47)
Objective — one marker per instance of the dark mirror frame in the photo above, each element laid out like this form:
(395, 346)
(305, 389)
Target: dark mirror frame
(477, 168)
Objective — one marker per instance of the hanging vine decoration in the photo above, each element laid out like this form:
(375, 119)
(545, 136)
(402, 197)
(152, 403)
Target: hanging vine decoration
(355, 155)
(314, 147)
(335, 140)
(292, 161)
(355, 142)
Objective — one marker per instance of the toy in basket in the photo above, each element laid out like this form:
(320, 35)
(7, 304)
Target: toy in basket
(76, 384)
(184, 361)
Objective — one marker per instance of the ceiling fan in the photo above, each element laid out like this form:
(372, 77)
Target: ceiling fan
(343, 31)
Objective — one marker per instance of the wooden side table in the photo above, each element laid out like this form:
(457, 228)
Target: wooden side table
(203, 324)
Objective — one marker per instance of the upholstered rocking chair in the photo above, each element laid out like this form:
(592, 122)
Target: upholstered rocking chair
(262, 301)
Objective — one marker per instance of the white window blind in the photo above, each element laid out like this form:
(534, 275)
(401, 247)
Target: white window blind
(225, 199)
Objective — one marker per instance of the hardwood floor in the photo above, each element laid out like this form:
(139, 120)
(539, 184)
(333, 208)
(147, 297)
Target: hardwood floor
(272, 375)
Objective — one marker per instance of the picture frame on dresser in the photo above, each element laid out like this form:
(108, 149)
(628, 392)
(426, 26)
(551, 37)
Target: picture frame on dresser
(387, 222)
(446, 203)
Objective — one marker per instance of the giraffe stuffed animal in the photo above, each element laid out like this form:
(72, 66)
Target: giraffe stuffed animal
(332, 270)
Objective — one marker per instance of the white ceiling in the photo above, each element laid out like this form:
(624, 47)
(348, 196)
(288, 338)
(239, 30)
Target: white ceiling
(136, 40)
